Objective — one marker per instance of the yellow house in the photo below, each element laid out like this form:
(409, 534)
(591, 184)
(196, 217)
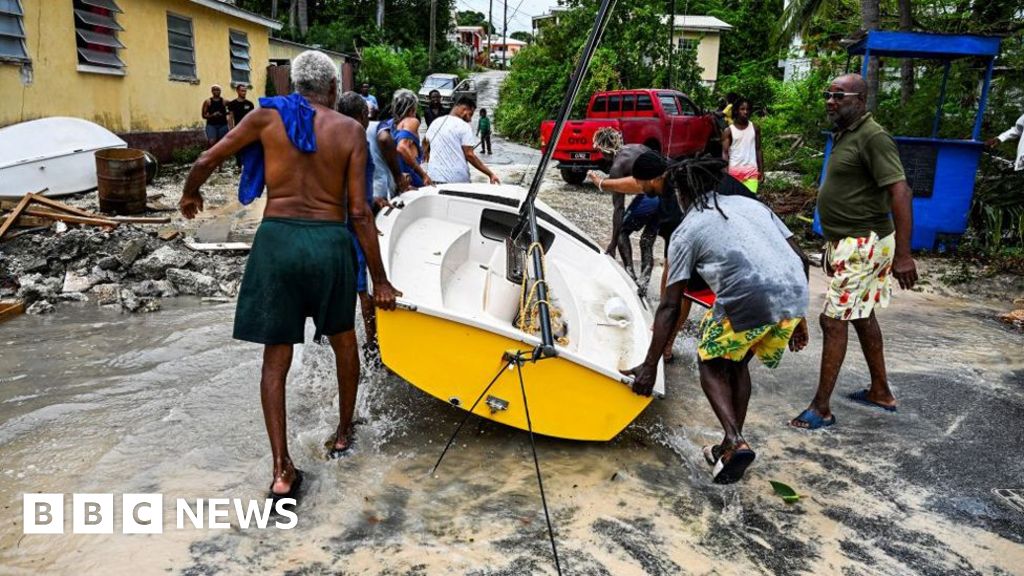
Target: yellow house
(140, 68)
(700, 33)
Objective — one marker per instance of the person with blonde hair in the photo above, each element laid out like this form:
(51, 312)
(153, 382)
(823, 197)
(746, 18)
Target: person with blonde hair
(642, 213)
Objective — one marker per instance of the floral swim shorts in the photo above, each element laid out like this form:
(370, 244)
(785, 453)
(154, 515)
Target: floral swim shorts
(860, 276)
(768, 342)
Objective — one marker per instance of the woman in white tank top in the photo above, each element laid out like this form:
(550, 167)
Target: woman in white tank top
(741, 147)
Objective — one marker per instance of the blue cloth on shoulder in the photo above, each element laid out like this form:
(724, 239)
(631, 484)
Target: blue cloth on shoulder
(414, 177)
(297, 116)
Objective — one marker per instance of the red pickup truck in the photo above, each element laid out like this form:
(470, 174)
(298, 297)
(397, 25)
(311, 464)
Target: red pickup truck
(666, 121)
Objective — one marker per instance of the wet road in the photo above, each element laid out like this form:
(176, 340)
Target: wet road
(96, 401)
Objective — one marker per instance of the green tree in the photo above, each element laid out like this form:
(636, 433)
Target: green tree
(522, 36)
(387, 70)
(472, 18)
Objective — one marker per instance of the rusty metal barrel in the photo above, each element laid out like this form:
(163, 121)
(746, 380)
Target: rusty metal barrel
(121, 180)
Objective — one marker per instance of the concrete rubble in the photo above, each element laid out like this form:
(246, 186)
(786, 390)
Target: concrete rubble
(129, 268)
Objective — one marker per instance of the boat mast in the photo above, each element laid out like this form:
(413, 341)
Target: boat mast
(527, 212)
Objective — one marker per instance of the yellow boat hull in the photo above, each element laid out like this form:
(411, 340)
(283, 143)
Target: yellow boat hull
(454, 362)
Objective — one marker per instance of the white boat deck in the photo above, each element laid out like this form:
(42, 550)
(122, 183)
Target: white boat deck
(437, 254)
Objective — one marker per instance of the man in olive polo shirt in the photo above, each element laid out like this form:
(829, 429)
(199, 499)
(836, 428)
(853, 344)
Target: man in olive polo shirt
(865, 247)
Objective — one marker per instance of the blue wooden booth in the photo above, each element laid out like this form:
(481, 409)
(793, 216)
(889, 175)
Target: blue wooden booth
(940, 171)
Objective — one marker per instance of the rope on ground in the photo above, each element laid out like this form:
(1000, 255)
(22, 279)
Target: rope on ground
(536, 464)
(469, 413)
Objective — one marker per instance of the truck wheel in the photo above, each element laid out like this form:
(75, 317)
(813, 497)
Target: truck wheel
(574, 177)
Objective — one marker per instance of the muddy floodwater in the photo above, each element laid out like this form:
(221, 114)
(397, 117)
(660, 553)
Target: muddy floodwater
(94, 401)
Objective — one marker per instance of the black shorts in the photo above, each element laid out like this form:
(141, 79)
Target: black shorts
(297, 269)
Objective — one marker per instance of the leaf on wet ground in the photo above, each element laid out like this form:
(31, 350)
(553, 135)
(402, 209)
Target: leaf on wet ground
(785, 492)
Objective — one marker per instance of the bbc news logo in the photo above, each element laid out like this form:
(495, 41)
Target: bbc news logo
(144, 513)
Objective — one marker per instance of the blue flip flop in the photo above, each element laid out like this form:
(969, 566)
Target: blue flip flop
(861, 397)
(813, 420)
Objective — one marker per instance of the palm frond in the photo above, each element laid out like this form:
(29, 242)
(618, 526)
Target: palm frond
(796, 19)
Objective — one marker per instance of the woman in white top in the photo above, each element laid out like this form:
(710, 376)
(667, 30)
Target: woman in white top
(741, 147)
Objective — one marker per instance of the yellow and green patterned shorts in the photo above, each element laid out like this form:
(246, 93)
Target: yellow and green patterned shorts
(860, 276)
(768, 342)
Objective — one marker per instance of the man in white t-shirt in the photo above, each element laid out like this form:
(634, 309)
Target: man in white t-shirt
(1014, 133)
(449, 146)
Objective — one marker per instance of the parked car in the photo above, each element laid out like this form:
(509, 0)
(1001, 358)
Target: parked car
(666, 121)
(449, 86)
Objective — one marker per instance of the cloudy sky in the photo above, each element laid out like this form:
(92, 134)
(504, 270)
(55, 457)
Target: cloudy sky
(519, 11)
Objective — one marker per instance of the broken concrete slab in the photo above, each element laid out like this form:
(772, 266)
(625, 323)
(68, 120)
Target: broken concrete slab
(40, 307)
(169, 233)
(131, 251)
(36, 287)
(36, 265)
(132, 303)
(108, 263)
(106, 294)
(163, 258)
(214, 231)
(73, 297)
(155, 288)
(192, 283)
(74, 282)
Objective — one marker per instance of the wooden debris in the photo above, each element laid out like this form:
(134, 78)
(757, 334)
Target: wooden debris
(15, 214)
(73, 218)
(217, 246)
(11, 308)
(22, 215)
(168, 233)
(24, 221)
(23, 231)
(62, 206)
(141, 219)
(160, 207)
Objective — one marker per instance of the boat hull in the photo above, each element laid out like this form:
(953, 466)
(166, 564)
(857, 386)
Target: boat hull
(454, 362)
(53, 155)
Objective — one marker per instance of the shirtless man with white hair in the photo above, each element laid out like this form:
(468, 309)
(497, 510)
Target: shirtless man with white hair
(301, 263)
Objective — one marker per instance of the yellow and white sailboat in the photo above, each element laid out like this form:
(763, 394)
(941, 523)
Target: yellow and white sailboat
(480, 266)
(445, 249)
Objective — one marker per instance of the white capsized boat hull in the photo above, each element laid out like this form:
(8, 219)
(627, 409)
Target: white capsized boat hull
(52, 154)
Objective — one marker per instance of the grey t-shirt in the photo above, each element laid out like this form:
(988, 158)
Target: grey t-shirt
(757, 277)
(622, 165)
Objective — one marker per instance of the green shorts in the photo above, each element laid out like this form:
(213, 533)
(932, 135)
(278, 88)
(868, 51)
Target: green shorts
(297, 269)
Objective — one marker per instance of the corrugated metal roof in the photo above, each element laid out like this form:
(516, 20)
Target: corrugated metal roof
(232, 10)
(700, 23)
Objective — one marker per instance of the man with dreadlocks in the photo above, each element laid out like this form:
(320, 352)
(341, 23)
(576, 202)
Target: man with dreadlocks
(759, 275)
(642, 213)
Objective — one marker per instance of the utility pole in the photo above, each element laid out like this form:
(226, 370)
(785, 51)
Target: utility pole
(671, 43)
(433, 31)
(504, 40)
(490, 28)
(380, 14)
